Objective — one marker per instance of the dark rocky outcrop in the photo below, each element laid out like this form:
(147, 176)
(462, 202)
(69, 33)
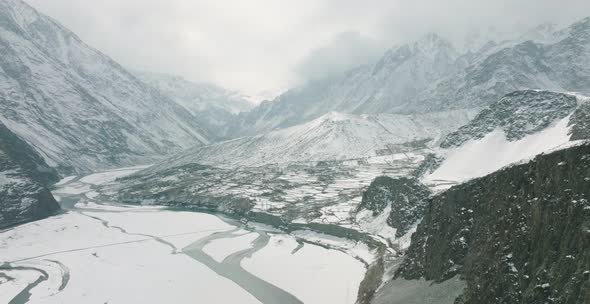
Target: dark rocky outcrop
(19, 153)
(406, 195)
(518, 114)
(24, 177)
(519, 235)
(430, 163)
(580, 122)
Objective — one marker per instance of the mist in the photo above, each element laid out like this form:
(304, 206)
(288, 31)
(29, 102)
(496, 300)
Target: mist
(270, 46)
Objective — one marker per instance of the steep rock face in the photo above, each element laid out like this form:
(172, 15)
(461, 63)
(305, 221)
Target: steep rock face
(212, 106)
(81, 110)
(19, 154)
(405, 196)
(519, 235)
(517, 114)
(23, 180)
(580, 122)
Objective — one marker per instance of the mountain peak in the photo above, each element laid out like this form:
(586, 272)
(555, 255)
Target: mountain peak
(431, 41)
(335, 116)
(431, 45)
(544, 33)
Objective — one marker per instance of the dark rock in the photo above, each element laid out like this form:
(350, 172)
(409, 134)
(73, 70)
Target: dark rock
(519, 235)
(19, 154)
(406, 196)
(518, 114)
(24, 176)
(580, 122)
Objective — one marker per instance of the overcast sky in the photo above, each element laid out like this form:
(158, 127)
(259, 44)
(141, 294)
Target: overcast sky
(271, 45)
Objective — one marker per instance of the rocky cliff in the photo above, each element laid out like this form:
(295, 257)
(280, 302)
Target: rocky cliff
(403, 197)
(24, 178)
(519, 235)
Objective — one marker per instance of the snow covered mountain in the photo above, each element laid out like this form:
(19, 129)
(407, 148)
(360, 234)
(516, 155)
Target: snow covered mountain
(518, 127)
(331, 137)
(24, 178)
(430, 75)
(212, 106)
(388, 86)
(559, 65)
(315, 172)
(81, 110)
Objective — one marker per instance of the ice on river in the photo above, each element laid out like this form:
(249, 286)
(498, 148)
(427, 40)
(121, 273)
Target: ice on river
(105, 253)
(312, 273)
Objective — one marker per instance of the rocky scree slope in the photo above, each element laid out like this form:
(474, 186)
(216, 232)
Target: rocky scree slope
(24, 178)
(519, 235)
(77, 107)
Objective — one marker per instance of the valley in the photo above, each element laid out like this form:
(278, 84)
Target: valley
(105, 252)
(400, 164)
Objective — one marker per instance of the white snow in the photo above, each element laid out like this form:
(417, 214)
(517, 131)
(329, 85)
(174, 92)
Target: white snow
(133, 254)
(86, 183)
(74, 188)
(179, 228)
(333, 136)
(356, 249)
(109, 266)
(221, 248)
(94, 111)
(9, 289)
(483, 156)
(376, 225)
(65, 180)
(109, 176)
(308, 273)
(196, 97)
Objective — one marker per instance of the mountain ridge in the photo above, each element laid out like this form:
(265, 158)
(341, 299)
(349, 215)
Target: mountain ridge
(429, 75)
(80, 109)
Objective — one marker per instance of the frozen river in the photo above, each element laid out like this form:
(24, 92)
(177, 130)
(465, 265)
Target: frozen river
(98, 252)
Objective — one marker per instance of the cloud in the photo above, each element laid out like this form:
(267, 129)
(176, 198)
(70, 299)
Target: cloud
(344, 52)
(260, 45)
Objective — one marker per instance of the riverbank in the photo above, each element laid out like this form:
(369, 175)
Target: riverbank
(131, 254)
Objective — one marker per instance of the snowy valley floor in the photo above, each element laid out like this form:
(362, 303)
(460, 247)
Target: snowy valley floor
(103, 253)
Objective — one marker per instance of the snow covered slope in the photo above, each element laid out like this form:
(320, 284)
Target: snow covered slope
(430, 75)
(388, 85)
(557, 64)
(334, 136)
(81, 110)
(23, 180)
(518, 127)
(212, 106)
